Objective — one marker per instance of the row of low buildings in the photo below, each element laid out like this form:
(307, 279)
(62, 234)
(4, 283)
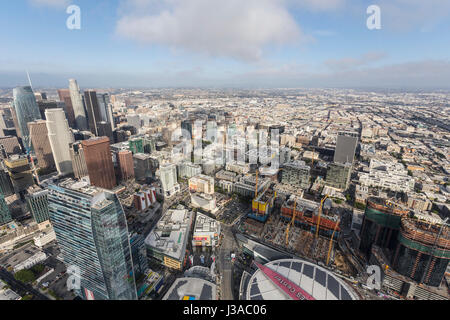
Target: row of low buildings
(168, 241)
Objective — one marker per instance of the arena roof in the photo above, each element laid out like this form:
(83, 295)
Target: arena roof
(311, 281)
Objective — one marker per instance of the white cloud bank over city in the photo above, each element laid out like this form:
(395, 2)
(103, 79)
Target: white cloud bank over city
(232, 28)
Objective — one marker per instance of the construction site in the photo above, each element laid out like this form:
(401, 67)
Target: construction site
(303, 227)
(262, 205)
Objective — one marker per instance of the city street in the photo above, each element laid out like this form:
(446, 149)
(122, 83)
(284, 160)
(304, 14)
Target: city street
(19, 287)
(225, 265)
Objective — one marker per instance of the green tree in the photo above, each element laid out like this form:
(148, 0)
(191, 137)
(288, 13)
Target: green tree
(359, 206)
(25, 276)
(37, 269)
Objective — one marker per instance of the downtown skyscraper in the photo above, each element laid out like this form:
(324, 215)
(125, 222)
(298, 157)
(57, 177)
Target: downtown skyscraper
(41, 145)
(60, 138)
(92, 232)
(64, 96)
(78, 105)
(346, 144)
(26, 110)
(97, 154)
(93, 110)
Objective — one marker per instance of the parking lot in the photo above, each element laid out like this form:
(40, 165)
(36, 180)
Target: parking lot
(232, 210)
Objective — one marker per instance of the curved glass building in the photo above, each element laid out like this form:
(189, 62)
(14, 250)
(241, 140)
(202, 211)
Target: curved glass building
(92, 232)
(27, 110)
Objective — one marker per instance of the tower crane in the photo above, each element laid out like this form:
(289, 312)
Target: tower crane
(256, 184)
(291, 223)
(319, 213)
(331, 240)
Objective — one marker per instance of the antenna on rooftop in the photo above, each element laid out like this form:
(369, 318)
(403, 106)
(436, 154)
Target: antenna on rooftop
(29, 80)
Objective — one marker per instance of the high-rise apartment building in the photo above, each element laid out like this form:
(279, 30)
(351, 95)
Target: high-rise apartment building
(134, 120)
(20, 172)
(296, 173)
(142, 167)
(187, 169)
(136, 145)
(338, 175)
(92, 232)
(41, 145)
(106, 112)
(415, 244)
(78, 106)
(6, 122)
(97, 153)
(345, 147)
(168, 177)
(26, 110)
(5, 215)
(6, 186)
(187, 126)
(64, 96)
(126, 164)
(93, 110)
(60, 137)
(11, 145)
(78, 161)
(104, 130)
(38, 203)
(47, 104)
(149, 144)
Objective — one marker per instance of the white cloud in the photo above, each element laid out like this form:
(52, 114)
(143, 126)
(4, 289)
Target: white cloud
(51, 3)
(405, 15)
(319, 5)
(413, 74)
(351, 63)
(231, 28)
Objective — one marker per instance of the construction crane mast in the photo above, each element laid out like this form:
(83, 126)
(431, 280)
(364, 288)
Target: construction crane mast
(331, 241)
(256, 184)
(291, 223)
(318, 216)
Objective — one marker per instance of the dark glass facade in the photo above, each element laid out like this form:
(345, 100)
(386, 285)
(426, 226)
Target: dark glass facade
(92, 232)
(26, 110)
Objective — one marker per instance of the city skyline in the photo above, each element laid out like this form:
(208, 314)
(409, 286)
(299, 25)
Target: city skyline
(177, 43)
(228, 150)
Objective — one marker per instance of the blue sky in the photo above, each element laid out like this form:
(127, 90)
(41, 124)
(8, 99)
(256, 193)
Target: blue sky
(233, 43)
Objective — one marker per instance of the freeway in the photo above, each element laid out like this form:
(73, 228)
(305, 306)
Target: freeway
(19, 287)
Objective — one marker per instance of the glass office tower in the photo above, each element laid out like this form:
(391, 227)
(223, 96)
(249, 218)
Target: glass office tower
(78, 105)
(92, 232)
(27, 110)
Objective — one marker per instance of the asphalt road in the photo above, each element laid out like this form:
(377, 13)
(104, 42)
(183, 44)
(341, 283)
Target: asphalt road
(225, 266)
(19, 287)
